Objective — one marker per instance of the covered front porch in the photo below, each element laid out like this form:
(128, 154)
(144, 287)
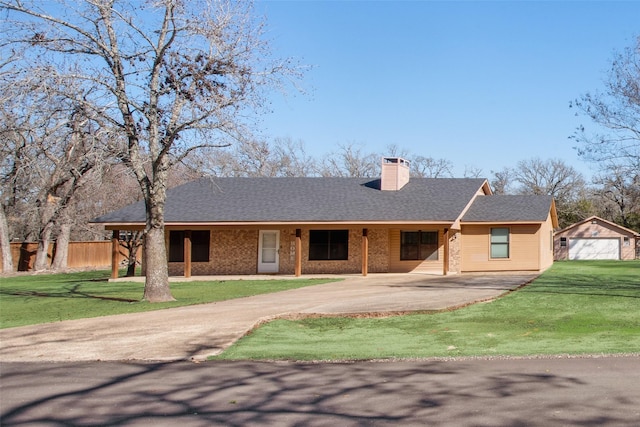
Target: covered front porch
(306, 249)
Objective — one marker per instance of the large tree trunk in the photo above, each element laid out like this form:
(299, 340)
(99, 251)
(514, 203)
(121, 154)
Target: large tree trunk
(44, 237)
(133, 258)
(42, 255)
(5, 243)
(156, 288)
(62, 248)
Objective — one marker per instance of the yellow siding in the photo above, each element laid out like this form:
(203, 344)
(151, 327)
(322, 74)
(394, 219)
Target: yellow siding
(546, 244)
(524, 248)
(426, 266)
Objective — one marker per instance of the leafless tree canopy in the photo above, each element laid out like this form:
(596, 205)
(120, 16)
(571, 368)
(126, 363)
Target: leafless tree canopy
(618, 194)
(105, 102)
(350, 160)
(168, 76)
(615, 114)
(52, 149)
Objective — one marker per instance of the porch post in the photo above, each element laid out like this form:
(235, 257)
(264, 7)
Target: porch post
(187, 253)
(115, 246)
(365, 251)
(298, 254)
(445, 264)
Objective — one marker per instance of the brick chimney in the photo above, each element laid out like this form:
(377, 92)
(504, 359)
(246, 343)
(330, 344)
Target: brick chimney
(395, 173)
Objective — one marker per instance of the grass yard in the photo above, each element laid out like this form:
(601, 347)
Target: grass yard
(33, 299)
(578, 307)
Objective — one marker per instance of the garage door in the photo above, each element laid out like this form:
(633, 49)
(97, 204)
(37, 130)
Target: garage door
(594, 248)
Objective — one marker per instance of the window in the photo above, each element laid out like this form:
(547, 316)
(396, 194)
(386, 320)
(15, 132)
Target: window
(626, 241)
(499, 243)
(563, 241)
(328, 245)
(418, 245)
(199, 246)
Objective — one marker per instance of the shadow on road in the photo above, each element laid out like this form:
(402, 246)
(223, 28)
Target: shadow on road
(507, 393)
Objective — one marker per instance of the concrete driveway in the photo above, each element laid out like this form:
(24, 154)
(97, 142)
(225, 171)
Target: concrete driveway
(199, 331)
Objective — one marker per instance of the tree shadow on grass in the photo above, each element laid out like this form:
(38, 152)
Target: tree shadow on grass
(288, 394)
(625, 286)
(68, 292)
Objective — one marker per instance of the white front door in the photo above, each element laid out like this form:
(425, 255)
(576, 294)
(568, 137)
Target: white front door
(268, 251)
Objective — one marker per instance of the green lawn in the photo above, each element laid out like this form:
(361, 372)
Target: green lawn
(585, 307)
(33, 299)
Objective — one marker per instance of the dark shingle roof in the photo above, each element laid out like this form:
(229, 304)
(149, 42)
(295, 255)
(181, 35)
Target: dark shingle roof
(308, 199)
(508, 208)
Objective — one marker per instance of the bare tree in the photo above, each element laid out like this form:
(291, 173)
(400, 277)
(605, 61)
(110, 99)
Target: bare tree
(72, 163)
(615, 112)
(502, 181)
(619, 190)
(282, 157)
(48, 155)
(351, 161)
(10, 168)
(551, 177)
(428, 167)
(422, 166)
(292, 158)
(5, 239)
(5, 242)
(471, 171)
(131, 241)
(173, 77)
(394, 150)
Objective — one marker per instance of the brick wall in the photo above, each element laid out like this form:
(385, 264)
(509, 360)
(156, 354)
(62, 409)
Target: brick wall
(230, 252)
(235, 251)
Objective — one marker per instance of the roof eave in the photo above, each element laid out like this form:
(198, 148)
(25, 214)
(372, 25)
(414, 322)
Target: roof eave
(139, 225)
(498, 222)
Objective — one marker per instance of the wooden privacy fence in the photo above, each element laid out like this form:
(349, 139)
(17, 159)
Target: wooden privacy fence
(95, 254)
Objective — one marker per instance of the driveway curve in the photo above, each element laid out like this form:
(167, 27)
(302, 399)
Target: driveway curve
(196, 332)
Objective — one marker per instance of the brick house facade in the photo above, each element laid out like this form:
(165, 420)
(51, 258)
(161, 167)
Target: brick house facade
(394, 224)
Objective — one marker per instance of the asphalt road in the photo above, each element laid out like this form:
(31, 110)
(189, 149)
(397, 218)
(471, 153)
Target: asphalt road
(497, 392)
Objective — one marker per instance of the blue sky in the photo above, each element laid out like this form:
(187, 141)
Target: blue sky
(482, 84)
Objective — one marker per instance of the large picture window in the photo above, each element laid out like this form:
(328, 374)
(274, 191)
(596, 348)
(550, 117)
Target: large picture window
(418, 245)
(328, 245)
(200, 241)
(499, 243)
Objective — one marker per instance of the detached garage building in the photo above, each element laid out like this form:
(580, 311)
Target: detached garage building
(595, 238)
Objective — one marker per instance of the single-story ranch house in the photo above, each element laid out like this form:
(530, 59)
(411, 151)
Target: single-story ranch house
(223, 226)
(595, 238)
